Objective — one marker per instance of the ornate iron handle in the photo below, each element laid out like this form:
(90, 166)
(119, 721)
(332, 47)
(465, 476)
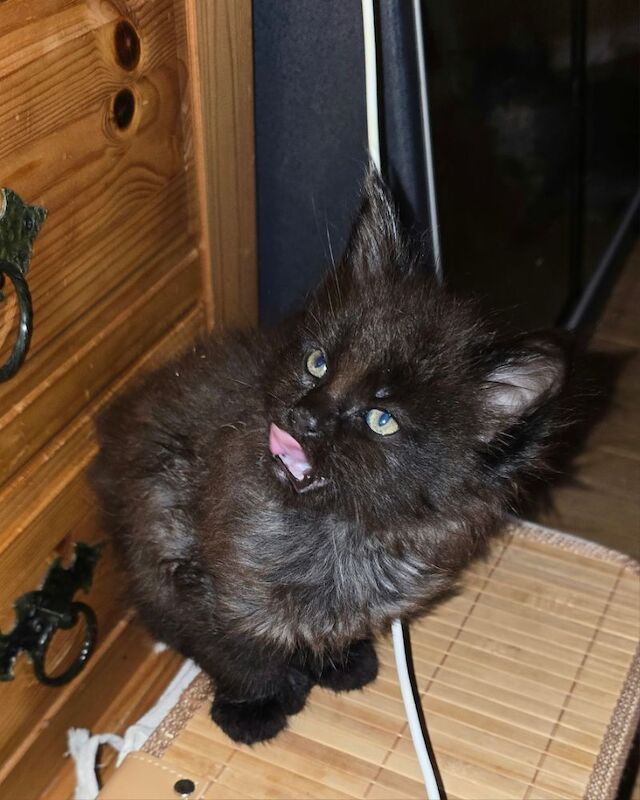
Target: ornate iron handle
(25, 327)
(20, 223)
(41, 613)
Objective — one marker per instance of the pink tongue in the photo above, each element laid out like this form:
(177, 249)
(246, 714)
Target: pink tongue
(289, 451)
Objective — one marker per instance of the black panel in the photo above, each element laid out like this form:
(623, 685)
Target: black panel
(310, 140)
(612, 113)
(534, 115)
(402, 144)
(501, 121)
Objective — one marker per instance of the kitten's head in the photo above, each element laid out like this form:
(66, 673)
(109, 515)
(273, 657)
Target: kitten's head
(393, 399)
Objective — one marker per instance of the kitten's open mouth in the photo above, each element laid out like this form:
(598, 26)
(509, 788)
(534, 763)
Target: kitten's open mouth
(292, 461)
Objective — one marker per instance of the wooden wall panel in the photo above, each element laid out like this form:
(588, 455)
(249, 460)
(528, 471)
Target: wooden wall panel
(40, 759)
(42, 533)
(62, 462)
(28, 425)
(222, 93)
(123, 276)
(60, 147)
(153, 244)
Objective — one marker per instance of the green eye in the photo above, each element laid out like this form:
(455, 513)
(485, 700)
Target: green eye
(316, 363)
(381, 422)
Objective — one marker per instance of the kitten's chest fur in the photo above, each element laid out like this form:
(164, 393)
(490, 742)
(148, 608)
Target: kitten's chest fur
(321, 582)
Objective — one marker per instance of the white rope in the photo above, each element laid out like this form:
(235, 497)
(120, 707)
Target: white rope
(83, 747)
(373, 132)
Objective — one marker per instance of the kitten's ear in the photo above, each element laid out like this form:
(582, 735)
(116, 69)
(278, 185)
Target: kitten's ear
(375, 242)
(528, 374)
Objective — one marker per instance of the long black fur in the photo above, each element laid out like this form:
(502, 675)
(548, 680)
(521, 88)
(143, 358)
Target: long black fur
(271, 589)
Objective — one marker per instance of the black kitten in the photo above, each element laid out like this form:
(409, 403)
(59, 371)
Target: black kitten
(278, 499)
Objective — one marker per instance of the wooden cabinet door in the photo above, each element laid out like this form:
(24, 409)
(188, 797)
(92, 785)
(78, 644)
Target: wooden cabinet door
(131, 122)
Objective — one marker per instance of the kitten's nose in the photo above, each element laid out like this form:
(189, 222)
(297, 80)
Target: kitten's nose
(310, 418)
(304, 421)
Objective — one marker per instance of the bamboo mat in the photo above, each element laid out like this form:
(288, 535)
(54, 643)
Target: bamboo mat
(530, 682)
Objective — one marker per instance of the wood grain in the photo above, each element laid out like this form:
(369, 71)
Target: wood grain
(69, 515)
(41, 414)
(221, 63)
(600, 499)
(115, 199)
(39, 761)
(120, 279)
(63, 461)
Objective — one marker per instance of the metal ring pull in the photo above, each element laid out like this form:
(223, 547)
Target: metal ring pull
(25, 322)
(39, 654)
(39, 614)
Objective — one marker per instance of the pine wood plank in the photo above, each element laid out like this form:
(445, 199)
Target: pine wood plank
(39, 759)
(24, 37)
(93, 180)
(133, 698)
(30, 89)
(619, 322)
(122, 223)
(71, 514)
(619, 431)
(142, 250)
(222, 97)
(27, 427)
(46, 476)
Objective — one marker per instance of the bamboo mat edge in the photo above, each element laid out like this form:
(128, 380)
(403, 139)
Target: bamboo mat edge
(618, 738)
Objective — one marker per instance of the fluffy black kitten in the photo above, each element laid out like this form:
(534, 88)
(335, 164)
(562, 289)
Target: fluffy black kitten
(278, 499)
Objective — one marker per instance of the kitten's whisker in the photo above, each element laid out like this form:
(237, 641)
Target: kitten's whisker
(312, 334)
(313, 316)
(242, 383)
(333, 313)
(326, 228)
(275, 397)
(334, 270)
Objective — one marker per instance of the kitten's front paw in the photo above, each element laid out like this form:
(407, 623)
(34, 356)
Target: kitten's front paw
(358, 667)
(249, 721)
(294, 691)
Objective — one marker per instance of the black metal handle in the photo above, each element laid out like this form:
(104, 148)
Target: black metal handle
(39, 654)
(39, 614)
(25, 323)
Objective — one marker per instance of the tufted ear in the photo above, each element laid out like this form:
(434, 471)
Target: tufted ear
(526, 375)
(375, 242)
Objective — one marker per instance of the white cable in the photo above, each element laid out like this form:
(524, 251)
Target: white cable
(371, 81)
(411, 709)
(426, 137)
(373, 133)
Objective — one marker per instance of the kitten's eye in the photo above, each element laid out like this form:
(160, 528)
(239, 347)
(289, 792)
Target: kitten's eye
(317, 363)
(381, 422)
